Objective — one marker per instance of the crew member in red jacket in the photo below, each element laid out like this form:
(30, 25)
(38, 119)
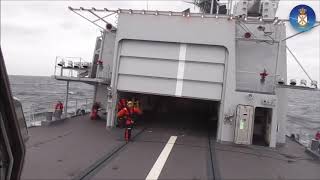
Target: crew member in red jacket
(317, 137)
(94, 111)
(121, 104)
(58, 110)
(127, 114)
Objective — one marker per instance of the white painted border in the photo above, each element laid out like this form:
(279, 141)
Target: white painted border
(159, 164)
(181, 66)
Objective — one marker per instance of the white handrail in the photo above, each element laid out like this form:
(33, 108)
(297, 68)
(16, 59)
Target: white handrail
(40, 109)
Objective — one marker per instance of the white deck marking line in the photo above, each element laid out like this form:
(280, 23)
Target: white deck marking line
(158, 165)
(180, 74)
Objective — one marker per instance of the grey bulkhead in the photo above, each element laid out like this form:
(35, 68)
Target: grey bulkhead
(104, 51)
(172, 42)
(252, 58)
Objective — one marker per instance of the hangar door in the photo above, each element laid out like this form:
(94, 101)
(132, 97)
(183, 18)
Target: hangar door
(171, 69)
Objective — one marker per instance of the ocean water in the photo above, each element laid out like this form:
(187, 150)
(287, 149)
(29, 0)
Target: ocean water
(303, 116)
(39, 94)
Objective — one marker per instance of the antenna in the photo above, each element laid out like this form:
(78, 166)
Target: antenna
(296, 59)
(99, 14)
(147, 4)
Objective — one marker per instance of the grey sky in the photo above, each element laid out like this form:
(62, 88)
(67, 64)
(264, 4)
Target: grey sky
(33, 33)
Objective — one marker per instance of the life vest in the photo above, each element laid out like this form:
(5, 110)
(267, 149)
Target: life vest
(95, 107)
(125, 115)
(121, 104)
(128, 113)
(94, 114)
(129, 121)
(94, 111)
(59, 106)
(317, 136)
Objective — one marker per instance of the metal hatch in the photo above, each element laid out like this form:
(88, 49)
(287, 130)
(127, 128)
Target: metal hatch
(244, 120)
(174, 69)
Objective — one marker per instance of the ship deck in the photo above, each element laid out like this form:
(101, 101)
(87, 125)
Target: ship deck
(80, 148)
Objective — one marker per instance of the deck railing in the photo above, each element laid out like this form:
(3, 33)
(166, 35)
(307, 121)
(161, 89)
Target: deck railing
(40, 111)
(75, 68)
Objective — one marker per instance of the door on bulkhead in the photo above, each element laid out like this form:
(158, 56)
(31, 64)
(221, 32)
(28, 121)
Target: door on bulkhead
(243, 127)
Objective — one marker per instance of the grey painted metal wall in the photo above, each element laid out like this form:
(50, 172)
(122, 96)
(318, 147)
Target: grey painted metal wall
(150, 50)
(196, 34)
(101, 95)
(95, 58)
(253, 57)
(148, 67)
(174, 69)
(108, 52)
(204, 71)
(233, 97)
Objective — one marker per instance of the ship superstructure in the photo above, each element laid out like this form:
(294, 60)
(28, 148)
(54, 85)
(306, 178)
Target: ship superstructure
(205, 82)
(232, 65)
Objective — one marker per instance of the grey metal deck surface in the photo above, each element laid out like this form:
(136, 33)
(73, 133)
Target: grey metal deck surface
(189, 158)
(65, 150)
(254, 162)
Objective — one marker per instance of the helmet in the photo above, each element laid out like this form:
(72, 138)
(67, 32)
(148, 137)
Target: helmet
(129, 103)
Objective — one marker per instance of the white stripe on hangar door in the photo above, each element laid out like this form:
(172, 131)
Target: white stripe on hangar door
(174, 69)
